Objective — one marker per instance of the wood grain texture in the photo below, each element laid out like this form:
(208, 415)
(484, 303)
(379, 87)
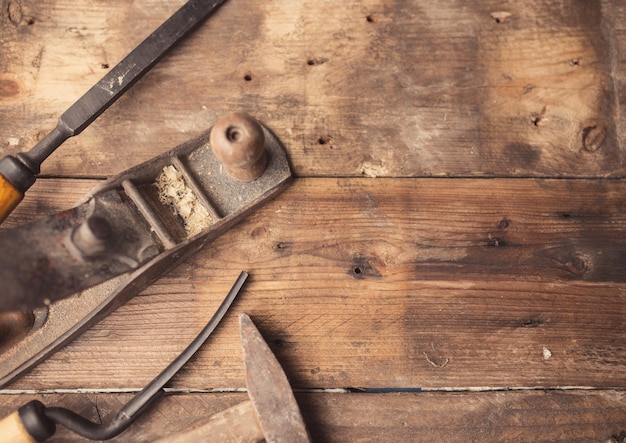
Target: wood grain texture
(390, 283)
(532, 416)
(369, 87)
(487, 255)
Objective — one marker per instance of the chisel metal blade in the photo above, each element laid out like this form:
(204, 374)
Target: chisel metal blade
(18, 173)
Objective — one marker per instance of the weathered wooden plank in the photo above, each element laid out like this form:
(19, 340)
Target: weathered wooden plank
(615, 16)
(391, 283)
(452, 417)
(369, 87)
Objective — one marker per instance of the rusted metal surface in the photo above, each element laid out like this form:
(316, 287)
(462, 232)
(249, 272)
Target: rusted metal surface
(268, 388)
(20, 171)
(271, 415)
(57, 256)
(134, 240)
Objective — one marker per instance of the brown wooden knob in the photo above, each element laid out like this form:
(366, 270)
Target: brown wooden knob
(238, 142)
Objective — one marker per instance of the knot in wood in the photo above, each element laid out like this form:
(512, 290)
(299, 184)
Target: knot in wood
(593, 135)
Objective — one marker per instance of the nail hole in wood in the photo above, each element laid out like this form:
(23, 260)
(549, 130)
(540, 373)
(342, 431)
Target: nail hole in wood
(316, 61)
(537, 118)
(325, 140)
(247, 77)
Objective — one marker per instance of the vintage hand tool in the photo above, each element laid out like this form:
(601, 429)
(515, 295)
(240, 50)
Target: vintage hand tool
(129, 231)
(35, 422)
(271, 415)
(17, 174)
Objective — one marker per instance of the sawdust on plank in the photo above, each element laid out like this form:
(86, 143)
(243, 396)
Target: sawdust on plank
(174, 192)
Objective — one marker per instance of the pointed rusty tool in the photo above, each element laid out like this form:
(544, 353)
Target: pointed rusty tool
(17, 174)
(271, 414)
(35, 422)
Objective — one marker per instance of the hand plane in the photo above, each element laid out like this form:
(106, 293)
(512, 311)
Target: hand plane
(68, 270)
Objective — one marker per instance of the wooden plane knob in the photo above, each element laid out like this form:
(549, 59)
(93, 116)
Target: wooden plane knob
(238, 142)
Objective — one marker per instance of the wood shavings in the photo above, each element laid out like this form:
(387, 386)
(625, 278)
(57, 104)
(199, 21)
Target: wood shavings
(174, 192)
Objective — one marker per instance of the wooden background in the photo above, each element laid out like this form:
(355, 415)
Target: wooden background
(448, 264)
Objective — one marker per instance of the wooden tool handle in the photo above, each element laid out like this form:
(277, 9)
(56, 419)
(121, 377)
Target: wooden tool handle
(236, 424)
(9, 198)
(12, 429)
(28, 424)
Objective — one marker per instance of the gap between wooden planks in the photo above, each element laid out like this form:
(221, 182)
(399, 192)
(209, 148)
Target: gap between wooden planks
(388, 283)
(495, 416)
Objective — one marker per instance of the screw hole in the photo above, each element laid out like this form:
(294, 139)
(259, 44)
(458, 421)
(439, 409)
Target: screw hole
(358, 270)
(574, 62)
(232, 134)
(104, 66)
(325, 140)
(247, 77)
(30, 21)
(370, 19)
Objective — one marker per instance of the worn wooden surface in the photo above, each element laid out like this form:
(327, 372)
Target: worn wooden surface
(456, 224)
(424, 416)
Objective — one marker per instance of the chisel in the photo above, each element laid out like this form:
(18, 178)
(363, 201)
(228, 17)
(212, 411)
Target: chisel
(18, 173)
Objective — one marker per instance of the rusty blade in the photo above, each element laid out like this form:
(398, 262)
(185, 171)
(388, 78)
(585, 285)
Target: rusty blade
(269, 389)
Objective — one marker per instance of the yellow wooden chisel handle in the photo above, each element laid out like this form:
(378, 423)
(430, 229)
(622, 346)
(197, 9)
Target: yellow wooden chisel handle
(27, 425)
(12, 430)
(10, 197)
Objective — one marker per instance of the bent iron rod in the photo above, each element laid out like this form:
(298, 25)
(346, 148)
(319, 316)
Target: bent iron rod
(39, 421)
(17, 174)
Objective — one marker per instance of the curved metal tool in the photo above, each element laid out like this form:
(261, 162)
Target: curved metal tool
(36, 422)
(128, 232)
(271, 415)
